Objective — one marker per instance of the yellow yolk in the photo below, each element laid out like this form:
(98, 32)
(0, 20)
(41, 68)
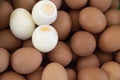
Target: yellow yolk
(48, 9)
(45, 28)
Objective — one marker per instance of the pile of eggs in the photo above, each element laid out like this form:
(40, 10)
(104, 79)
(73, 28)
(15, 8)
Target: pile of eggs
(59, 40)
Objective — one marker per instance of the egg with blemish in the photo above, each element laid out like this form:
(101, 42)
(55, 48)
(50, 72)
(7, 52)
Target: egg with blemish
(44, 12)
(45, 38)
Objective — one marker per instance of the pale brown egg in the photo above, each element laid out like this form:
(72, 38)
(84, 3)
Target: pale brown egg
(26, 60)
(112, 69)
(83, 43)
(92, 19)
(4, 59)
(58, 3)
(72, 75)
(5, 11)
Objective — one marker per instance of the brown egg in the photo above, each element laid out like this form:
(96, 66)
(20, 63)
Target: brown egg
(62, 24)
(61, 54)
(104, 56)
(103, 5)
(87, 61)
(4, 59)
(58, 3)
(92, 19)
(92, 73)
(36, 75)
(26, 4)
(117, 57)
(11, 75)
(109, 40)
(115, 4)
(71, 74)
(5, 10)
(54, 71)
(26, 60)
(9, 41)
(75, 20)
(83, 43)
(112, 69)
(28, 43)
(113, 17)
(76, 4)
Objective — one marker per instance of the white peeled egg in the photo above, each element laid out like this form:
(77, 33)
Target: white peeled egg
(45, 38)
(21, 24)
(44, 12)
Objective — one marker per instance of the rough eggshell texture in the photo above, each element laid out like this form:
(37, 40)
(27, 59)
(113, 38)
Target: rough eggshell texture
(83, 43)
(103, 5)
(5, 11)
(71, 74)
(112, 69)
(11, 75)
(62, 24)
(92, 19)
(109, 41)
(26, 4)
(113, 17)
(26, 60)
(92, 73)
(9, 41)
(76, 4)
(61, 54)
(4, 59)
(54, 71)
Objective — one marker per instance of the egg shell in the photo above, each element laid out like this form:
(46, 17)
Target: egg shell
(115, 4)
(117, 57)
(72, 75)
(45, 38)
(54, 71)
(21, 24)
(44, 12)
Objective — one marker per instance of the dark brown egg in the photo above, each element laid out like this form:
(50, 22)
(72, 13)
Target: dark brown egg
(72, 75)
(4, 59)
(61, 54)
(87, 61)
(115, 4)
(83, 43)
(26, 4)
(58, 3)
(26, 60)
(103, 5)
(9, 41)
(11, 75)
(5, 10)
(113, 17)
(109, 41)
(28, 43)
(75, 20)
(36, 75)
(92, 73)
(76, 4)
(117, 57)
(92, 19)
(62, 24)
(104, 56)
(112, 69)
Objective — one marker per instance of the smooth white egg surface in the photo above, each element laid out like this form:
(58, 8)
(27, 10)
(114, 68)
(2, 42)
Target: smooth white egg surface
(21, 24)
(44, 12)
(45, 38)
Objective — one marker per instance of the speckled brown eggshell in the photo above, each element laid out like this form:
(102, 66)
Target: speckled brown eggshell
(72, 75)
(5, 10)
(113, 17)
(92, 19)
(61, 54)
(26, 60)
(83, 43)
(109, 41)
(103, 5)
(92, 73)
(11, 75)
(91, 60)
(62, 24)
(115, 4)
(112, 69)
(9, 41)
(4, 59)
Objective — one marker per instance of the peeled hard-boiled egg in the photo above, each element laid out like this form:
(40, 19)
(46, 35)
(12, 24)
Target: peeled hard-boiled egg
(45, 38)
(44, 12)
(21, 24)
